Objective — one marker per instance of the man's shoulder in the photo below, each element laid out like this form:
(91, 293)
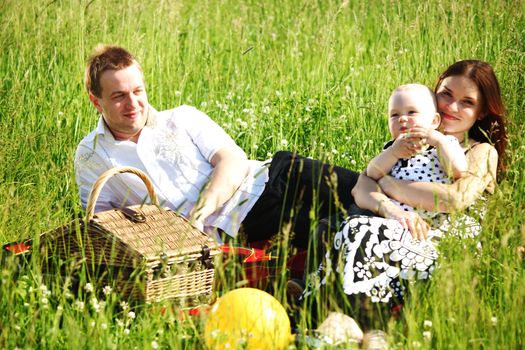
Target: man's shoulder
(178, 112)
(88, 141)
(180, 116)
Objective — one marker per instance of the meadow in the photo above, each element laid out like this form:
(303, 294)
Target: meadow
(307, 76)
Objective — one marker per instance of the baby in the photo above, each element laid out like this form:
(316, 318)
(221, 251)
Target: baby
(417, 151)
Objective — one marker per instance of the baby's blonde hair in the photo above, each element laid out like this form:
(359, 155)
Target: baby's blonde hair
(415, 87)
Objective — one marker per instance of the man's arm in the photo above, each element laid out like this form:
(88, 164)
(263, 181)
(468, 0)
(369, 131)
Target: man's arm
(482, 164)
(230, 169)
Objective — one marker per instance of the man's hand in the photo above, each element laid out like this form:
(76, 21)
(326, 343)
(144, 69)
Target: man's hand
(196, 217)
(230, 169)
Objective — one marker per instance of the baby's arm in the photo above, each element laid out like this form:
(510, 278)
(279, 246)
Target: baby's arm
(480, 177)
(381, 164)
(451, 155)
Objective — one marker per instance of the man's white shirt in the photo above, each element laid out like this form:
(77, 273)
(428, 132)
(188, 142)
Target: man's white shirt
(174, 149)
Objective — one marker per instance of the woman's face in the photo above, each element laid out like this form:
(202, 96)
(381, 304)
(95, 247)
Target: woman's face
(459, 103)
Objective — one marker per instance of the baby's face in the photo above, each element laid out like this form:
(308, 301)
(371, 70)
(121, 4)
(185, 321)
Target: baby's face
(409, 108)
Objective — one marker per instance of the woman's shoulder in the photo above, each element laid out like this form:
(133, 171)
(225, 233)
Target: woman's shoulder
(483, 161)
(481, 149)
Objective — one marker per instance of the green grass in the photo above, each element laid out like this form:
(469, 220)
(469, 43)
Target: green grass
(310, 76)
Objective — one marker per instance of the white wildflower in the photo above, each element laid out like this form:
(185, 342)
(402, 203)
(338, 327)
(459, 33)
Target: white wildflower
(284, 142)
(119, 322)
(126, 331)
(107, 290)
(242, 123)
(88, 287)
(124, 305)
(427, 324)
(334, 151)
(494, 320)
(131, 314)
(92, 324)
(427, 335)
(61, 113)
(266, 109)
(79, 305)
(95, 304)
(278, 93)
(255, 146)
(104, 326)
(154, 344)
(44, 300)
(204, 104)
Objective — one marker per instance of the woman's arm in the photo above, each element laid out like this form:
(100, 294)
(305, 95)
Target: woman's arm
(368, 195)
(482, 164)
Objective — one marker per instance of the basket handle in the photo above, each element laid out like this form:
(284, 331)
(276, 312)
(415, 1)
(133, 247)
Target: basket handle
(101, 181)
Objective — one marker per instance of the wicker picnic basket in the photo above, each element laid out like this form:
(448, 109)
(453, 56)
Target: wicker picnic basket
(148, 252)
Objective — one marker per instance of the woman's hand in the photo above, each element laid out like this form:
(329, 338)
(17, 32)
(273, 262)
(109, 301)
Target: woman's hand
(409, 220)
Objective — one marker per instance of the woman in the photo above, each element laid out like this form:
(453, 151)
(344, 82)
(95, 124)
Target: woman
(373, 254)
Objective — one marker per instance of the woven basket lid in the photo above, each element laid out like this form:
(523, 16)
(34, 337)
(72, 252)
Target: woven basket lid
(162, 232)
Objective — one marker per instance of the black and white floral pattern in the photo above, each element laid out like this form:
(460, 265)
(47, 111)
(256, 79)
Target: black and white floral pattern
(371, 254)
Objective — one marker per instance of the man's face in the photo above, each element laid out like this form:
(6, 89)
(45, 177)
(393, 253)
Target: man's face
(123, 102)
(409, 108)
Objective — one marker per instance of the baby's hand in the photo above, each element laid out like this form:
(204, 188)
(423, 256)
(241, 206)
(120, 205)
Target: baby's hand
(425, 136)
(405, 147)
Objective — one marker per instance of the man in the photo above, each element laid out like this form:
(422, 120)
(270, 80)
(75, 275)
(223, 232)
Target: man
(196, 168)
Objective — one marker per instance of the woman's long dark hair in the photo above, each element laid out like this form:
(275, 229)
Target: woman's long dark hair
(491, 127)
